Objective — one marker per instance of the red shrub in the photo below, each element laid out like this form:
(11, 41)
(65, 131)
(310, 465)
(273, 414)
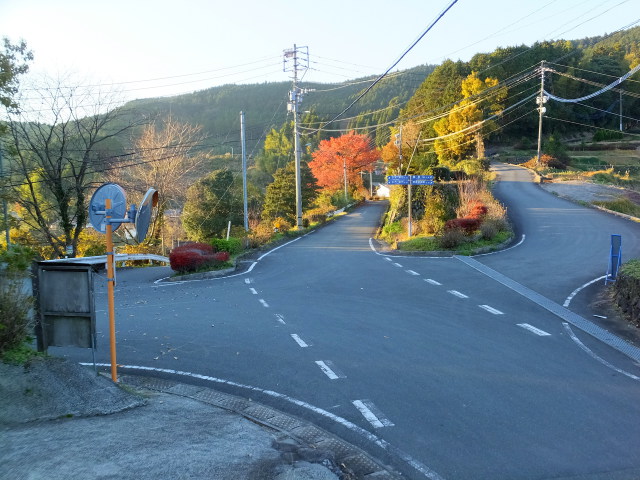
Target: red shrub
(191, 257)
(478, 210)
(467, 225)
(221, 256)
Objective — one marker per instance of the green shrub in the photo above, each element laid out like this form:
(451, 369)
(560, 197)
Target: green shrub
(15, 321)
(451, 239)
(604, 135)
(631, 269)
(488, 230)
(17, 258)
(233, 246)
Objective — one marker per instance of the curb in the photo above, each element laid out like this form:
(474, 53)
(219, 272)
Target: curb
(352, 459)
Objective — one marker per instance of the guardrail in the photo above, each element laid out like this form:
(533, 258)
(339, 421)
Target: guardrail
(120, 257)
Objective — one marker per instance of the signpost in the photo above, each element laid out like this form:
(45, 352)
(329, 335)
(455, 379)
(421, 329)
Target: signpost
(409, 180)
(615, 260)
(107, 210)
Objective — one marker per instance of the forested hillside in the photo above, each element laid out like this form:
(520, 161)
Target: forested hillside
(217, 109)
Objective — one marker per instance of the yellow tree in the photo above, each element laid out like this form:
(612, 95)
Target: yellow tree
(463, 131)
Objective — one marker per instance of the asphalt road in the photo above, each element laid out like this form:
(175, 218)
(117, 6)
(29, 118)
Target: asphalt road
(427, 363)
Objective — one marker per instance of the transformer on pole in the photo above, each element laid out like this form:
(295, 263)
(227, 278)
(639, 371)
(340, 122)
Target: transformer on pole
(296, 60)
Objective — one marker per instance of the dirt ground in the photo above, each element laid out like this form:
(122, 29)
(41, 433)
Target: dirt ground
(589, 192)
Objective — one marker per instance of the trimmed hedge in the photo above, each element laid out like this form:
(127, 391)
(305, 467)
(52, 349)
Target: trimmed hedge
(196, 256)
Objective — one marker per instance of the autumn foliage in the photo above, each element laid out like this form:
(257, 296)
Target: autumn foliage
(470, 223)
(195, 256)
(351, 150)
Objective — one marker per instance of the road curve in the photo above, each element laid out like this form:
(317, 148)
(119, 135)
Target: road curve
(429, 364)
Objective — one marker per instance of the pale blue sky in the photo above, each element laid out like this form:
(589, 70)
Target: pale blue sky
(242, 41)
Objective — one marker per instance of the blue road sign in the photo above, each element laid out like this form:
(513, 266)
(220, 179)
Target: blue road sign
(410, 180)
(422, 177)
(420, 181)
(398, 180)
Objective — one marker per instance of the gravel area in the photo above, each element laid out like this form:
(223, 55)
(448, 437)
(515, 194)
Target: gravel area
(589, 192)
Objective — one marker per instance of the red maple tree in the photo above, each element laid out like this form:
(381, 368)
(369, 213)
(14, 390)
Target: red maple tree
(351, 150)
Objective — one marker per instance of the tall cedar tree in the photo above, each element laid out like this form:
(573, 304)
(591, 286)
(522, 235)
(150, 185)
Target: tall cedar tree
(352, 151)
(212, 202)
(280, 199)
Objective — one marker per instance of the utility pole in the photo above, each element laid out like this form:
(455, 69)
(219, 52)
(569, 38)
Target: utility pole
(541, 100)
(244, 171)
(4, 204)
(344, 170)
(398, 143)
(300, 64)
(620, 108)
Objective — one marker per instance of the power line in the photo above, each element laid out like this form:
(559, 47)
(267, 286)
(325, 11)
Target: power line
(368, 89)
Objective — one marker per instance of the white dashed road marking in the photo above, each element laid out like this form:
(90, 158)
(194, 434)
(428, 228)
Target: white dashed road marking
(533, 329)
(248, 280)
(397, 265)
(299, 341)
(329, 369)
(372, 414)
(491, 309)
(264, 303)
(253, 290)
(280, 318)
(457, 293)
(432, 281)
(411, 272)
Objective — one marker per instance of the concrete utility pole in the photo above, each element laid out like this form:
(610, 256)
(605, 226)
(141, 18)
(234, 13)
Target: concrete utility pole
(244, 171)
(344, 171)
(541, 100)
(398, 144)
(300, 58)
(620, 108)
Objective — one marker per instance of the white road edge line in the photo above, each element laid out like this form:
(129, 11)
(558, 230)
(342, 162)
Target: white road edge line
(253, 290)
(457, 293)
(491, 309)
(299, 341)
(326, 370)
(415, 464)
(501, 251)
(577, 290)
(264, 303)
(533, 329)
(366, 407)
(432, 281)
(593, 355)
(159, 282)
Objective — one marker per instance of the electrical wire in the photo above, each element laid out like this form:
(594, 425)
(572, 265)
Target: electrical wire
(368, 89)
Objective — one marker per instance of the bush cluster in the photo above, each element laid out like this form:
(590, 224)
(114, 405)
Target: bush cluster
(196, 256)
(233, 246)
(470, 223)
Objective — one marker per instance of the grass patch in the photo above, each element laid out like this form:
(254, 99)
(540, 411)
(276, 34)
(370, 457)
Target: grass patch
(621, 205)
(419, 244)
(471, 248)
(20, 354)
(631, 268)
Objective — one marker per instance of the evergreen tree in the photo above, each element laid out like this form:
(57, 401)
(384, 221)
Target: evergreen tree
(280, 200)
(211, 203)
